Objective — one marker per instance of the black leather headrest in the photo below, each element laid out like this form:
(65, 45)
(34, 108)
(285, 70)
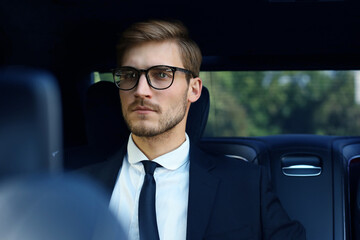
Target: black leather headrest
(198, 116)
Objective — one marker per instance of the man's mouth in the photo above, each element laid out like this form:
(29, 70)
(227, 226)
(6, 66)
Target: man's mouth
(143, 109)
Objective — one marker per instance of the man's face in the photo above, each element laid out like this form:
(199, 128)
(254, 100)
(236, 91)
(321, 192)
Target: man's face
(149, 112)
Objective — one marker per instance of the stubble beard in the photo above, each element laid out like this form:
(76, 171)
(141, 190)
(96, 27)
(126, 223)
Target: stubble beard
(166, 123)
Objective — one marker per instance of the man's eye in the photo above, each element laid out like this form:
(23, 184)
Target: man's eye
(128, 75)
(163, 75)
(131, 75)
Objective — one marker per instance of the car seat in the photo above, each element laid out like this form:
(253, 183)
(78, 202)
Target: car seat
(37, 200)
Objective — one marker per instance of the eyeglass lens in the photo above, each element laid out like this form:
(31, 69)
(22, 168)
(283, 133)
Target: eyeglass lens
(159, 77)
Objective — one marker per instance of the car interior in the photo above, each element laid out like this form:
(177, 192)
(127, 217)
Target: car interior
(56, 117)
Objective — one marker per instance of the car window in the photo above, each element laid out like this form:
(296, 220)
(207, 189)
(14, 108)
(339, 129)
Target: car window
(260, 103)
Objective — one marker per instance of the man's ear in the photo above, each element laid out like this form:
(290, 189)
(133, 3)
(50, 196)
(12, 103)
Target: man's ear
(195, 87)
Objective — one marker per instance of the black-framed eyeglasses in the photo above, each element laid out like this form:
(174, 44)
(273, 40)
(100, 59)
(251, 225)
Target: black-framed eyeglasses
(159, 77)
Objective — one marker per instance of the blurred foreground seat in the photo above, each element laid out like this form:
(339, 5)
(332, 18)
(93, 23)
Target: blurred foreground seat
(56, 208)
(30, 122)
(38, 201)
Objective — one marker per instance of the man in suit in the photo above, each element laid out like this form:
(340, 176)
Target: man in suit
(188, 194)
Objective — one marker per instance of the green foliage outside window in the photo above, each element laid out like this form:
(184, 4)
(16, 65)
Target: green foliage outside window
(264, 103)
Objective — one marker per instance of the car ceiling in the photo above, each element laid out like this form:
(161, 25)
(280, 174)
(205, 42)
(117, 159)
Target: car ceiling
(256, 34)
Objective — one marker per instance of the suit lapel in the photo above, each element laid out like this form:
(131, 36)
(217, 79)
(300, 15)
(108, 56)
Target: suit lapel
(202, 193)
(115, 165)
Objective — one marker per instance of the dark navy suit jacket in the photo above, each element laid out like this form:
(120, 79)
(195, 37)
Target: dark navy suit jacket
(228, 198)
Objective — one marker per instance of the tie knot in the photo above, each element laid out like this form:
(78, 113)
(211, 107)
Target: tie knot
(150, 166)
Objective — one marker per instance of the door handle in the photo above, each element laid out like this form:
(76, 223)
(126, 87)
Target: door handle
(301, 166)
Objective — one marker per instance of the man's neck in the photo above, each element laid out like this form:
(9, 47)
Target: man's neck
(156, 146)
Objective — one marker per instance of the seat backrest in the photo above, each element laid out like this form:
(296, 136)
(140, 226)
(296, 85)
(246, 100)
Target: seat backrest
(36, 200)
(356, 213)
(348, 149)
(308, 174)
(309, 180)
(30, 122)
(246, 149)
(56, 207)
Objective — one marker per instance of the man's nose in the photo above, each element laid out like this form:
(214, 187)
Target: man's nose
(143, 88)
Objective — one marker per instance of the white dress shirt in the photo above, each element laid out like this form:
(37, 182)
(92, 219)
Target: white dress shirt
(172, 190)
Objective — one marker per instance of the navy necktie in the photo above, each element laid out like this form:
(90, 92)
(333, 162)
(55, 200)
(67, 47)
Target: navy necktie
(147, 215)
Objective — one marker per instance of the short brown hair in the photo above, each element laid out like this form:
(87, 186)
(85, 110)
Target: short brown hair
(160, 30)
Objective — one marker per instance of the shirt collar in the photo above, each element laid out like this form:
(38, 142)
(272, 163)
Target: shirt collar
(171, 160)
